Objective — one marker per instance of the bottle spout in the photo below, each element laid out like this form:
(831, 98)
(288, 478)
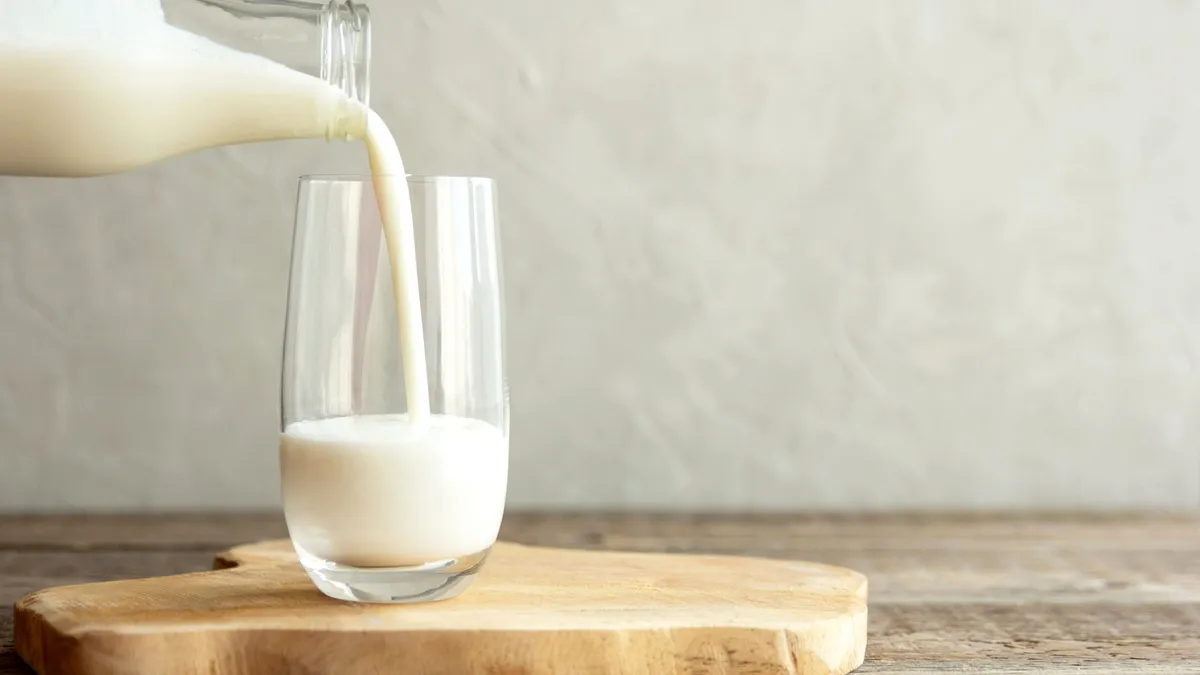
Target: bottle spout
(346, 49)
(349, 122)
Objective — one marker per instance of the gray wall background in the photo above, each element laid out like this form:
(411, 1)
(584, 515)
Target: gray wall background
(766, 254)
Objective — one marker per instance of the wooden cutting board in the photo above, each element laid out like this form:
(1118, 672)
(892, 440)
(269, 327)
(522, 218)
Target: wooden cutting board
(535, 611)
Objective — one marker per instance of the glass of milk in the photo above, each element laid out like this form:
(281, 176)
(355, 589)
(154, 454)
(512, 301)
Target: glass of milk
(393, 481)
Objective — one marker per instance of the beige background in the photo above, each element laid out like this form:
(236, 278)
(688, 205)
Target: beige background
(765, 254)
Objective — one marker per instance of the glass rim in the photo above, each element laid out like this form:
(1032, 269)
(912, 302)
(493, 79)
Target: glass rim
(367, 178)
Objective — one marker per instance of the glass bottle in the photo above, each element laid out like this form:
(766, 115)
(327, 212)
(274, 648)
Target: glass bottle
(92, 87)
(329, 39)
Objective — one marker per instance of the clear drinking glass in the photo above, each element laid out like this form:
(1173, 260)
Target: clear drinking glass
(378, 509)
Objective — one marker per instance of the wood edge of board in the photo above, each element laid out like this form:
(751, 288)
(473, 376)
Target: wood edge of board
(53, 642)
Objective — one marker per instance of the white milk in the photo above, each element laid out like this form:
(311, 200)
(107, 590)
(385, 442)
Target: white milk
(395, 210)
(378, 491)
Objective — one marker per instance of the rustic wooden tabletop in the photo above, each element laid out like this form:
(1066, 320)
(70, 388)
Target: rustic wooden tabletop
(1057, 594)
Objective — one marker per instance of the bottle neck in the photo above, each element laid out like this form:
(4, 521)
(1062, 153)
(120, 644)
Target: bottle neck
(346, 48)
(329, 39)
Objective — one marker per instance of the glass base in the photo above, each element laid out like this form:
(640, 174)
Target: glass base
(438, 580)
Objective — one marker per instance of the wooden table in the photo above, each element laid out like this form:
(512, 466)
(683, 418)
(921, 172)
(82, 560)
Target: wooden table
(1058, 594)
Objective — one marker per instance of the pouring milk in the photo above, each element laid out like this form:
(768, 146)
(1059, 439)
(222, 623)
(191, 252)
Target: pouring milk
(93, 87)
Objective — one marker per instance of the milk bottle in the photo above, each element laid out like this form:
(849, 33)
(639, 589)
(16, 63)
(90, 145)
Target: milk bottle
(90, 87)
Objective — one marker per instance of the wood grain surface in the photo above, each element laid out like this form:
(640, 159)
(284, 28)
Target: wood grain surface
(535, 610)
(1048, 593)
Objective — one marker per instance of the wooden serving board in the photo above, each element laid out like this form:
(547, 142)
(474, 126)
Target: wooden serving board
(535, 611)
